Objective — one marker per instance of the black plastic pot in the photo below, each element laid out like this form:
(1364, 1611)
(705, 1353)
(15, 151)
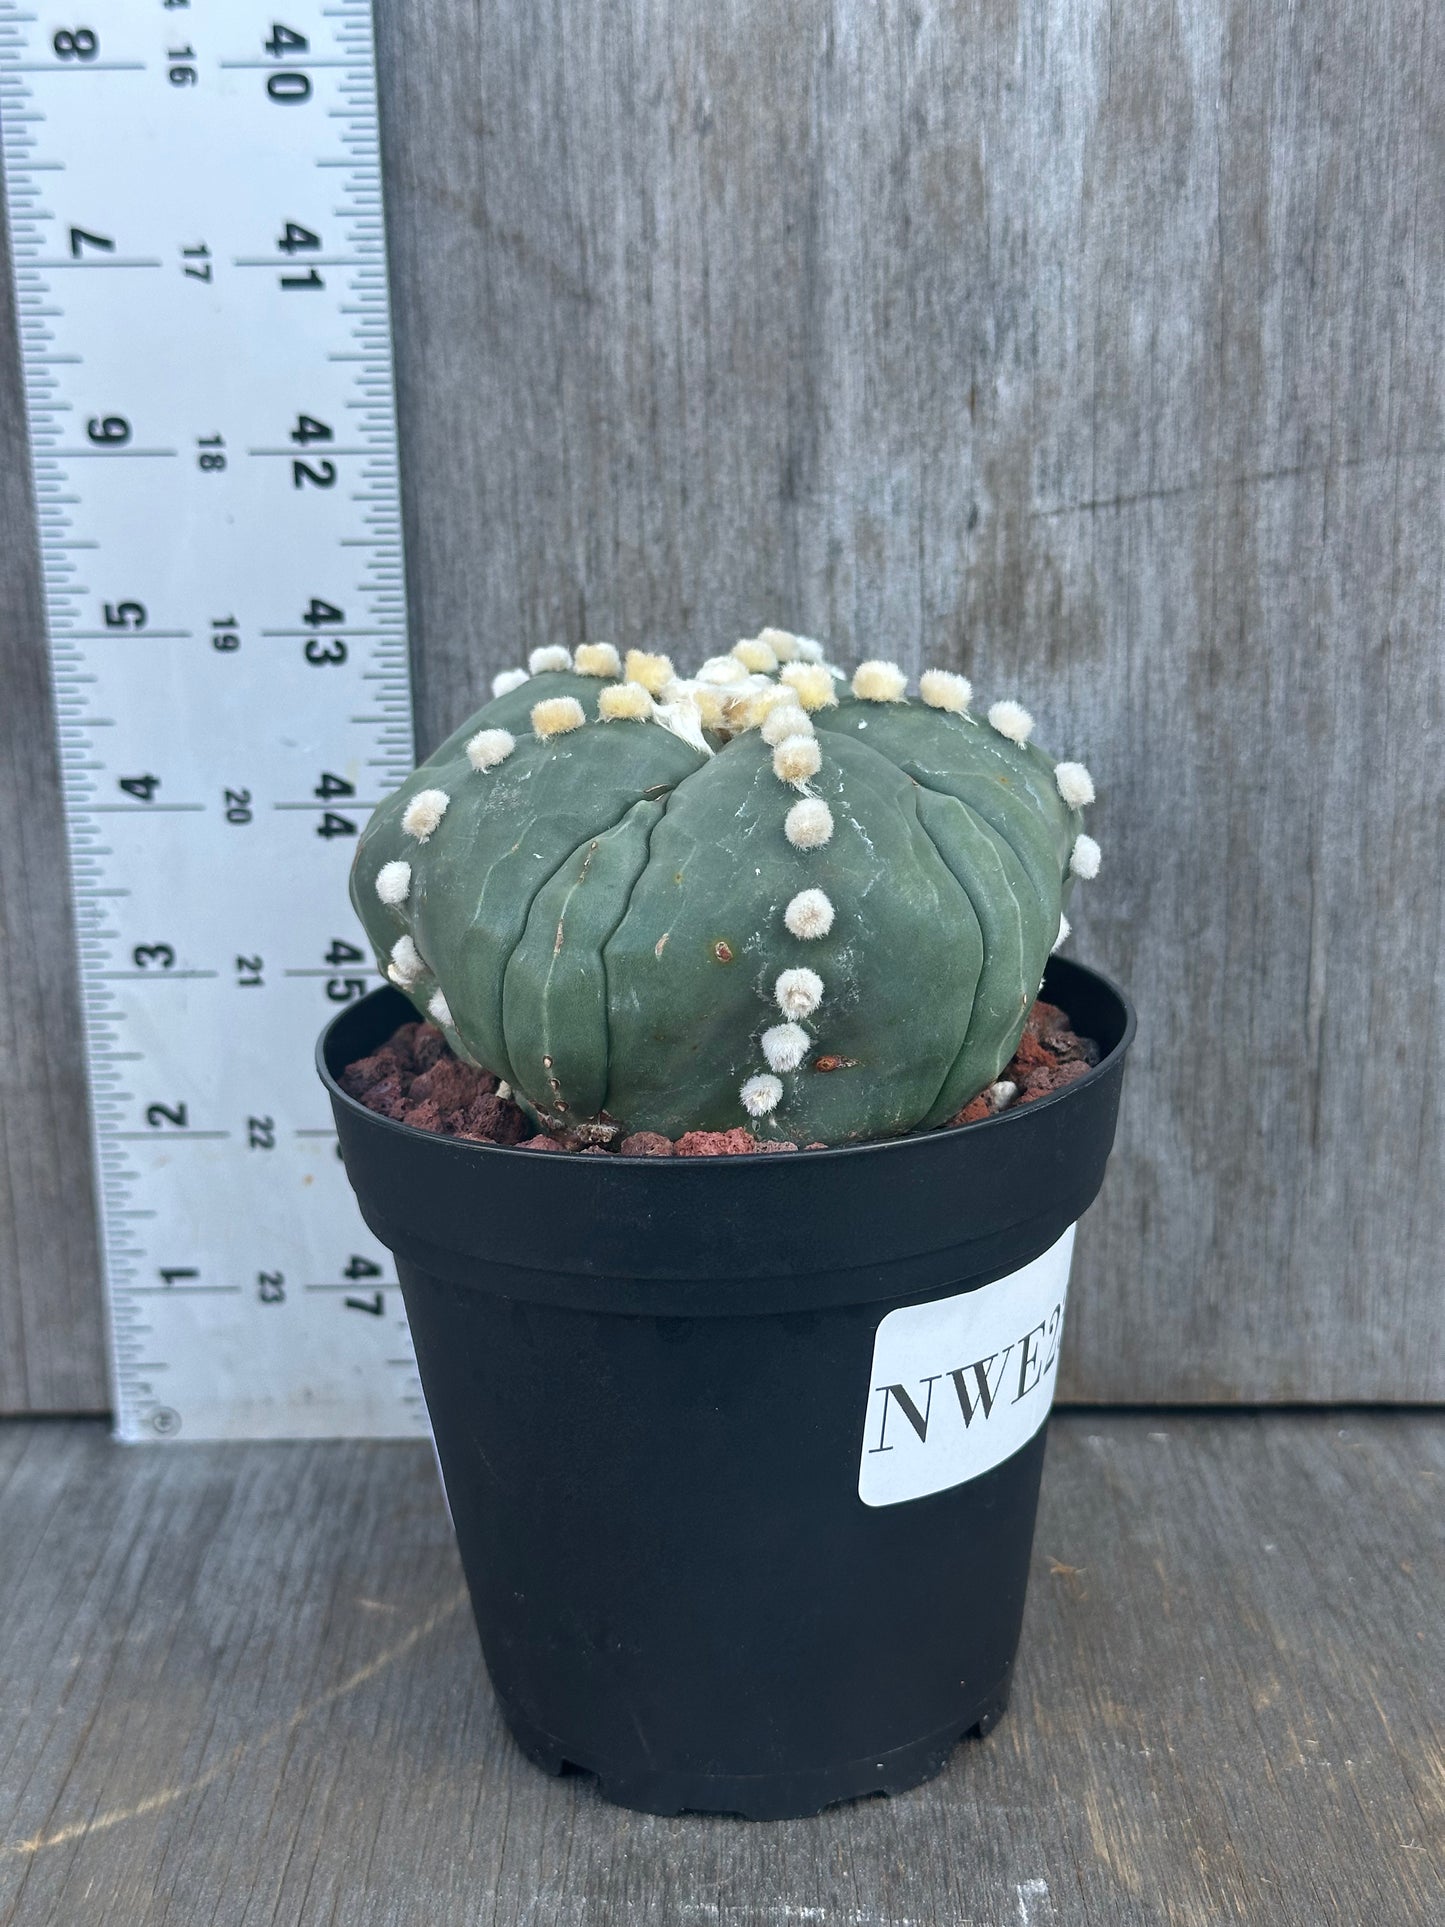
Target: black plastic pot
(651, 1385)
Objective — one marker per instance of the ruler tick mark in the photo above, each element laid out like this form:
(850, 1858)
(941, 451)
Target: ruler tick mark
(233, 883)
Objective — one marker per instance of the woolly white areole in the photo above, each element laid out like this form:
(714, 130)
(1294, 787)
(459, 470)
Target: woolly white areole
(755, 654)
(760, 1095)
(628, 702)
(554, 656)
(797, 758)
(423, 813)
(651, 671)
(556, 715)
(1002, 1094)
(809, 824)
(680, 716)
(393, 882)
(941, 689)
(439, 1010)
(1065, 928)
(785, 719)
(406, 963)
(810, 683)
(782, 642)
(785, 1046)
(810, 914)
(879, 682)
(807, 649)
(799, 992)
(721, 669)
(596, 659)
(1075, 784)
(490, 747)
(1012, 720)
(1085, 860)
(506, 680)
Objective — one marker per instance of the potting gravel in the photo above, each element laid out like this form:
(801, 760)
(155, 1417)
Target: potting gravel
(414, 1078)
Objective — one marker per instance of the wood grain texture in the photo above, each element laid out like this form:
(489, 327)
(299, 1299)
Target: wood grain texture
(240, 1685)
(51, 1334)
(1096, 349)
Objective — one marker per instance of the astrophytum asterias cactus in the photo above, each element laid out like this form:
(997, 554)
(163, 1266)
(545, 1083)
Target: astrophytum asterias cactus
(760, 895)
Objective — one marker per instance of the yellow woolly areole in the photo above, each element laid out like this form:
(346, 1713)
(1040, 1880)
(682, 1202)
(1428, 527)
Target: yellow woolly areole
(711, 705)
(809, 824)
(755, 654)
(785, 719)
(628, 702)
(879, 682)
(651, 671)
(596, 659)
(783, 644)
(811, 683)
(556, 715)
(797, 758)
(941, 689)
(424, 812)
(551, 658)
(490, 747)
(777, 693)
(745, 708)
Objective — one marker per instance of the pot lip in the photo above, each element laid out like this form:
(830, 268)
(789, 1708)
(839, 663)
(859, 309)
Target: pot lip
(866, 1146)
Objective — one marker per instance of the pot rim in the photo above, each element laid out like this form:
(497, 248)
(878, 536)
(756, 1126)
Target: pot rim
(1001, 1120)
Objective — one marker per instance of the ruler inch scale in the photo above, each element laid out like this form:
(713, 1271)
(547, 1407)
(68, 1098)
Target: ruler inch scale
(198, 251)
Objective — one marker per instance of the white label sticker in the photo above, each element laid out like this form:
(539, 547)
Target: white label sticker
(960, 1384)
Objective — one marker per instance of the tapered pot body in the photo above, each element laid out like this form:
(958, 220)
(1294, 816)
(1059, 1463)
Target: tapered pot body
(743, 1454)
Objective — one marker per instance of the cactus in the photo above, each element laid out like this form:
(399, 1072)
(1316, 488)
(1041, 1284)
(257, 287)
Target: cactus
(761, 895)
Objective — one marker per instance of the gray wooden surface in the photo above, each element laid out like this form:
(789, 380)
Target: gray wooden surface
(51, 1336)
(1094, 348)
(240, 1686)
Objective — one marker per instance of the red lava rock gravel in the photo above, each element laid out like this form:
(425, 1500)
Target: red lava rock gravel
(414, 1078)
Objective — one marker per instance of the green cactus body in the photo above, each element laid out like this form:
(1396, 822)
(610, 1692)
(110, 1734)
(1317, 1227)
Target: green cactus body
(623, 919)
(998, 821)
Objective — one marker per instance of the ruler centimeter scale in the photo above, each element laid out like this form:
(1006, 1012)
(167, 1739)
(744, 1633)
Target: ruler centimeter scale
(194, 194)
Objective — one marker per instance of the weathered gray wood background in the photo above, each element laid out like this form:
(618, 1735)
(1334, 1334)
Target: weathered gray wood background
(1094, 348)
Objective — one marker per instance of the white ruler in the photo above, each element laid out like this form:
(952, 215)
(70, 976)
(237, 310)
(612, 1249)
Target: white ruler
(195, 212)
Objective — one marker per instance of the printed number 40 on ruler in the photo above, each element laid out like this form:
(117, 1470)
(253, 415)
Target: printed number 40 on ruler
(195, 208)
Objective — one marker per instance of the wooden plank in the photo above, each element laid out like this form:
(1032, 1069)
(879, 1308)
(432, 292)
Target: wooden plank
(51, 1335)
(1093, 349)
(240, 1685)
